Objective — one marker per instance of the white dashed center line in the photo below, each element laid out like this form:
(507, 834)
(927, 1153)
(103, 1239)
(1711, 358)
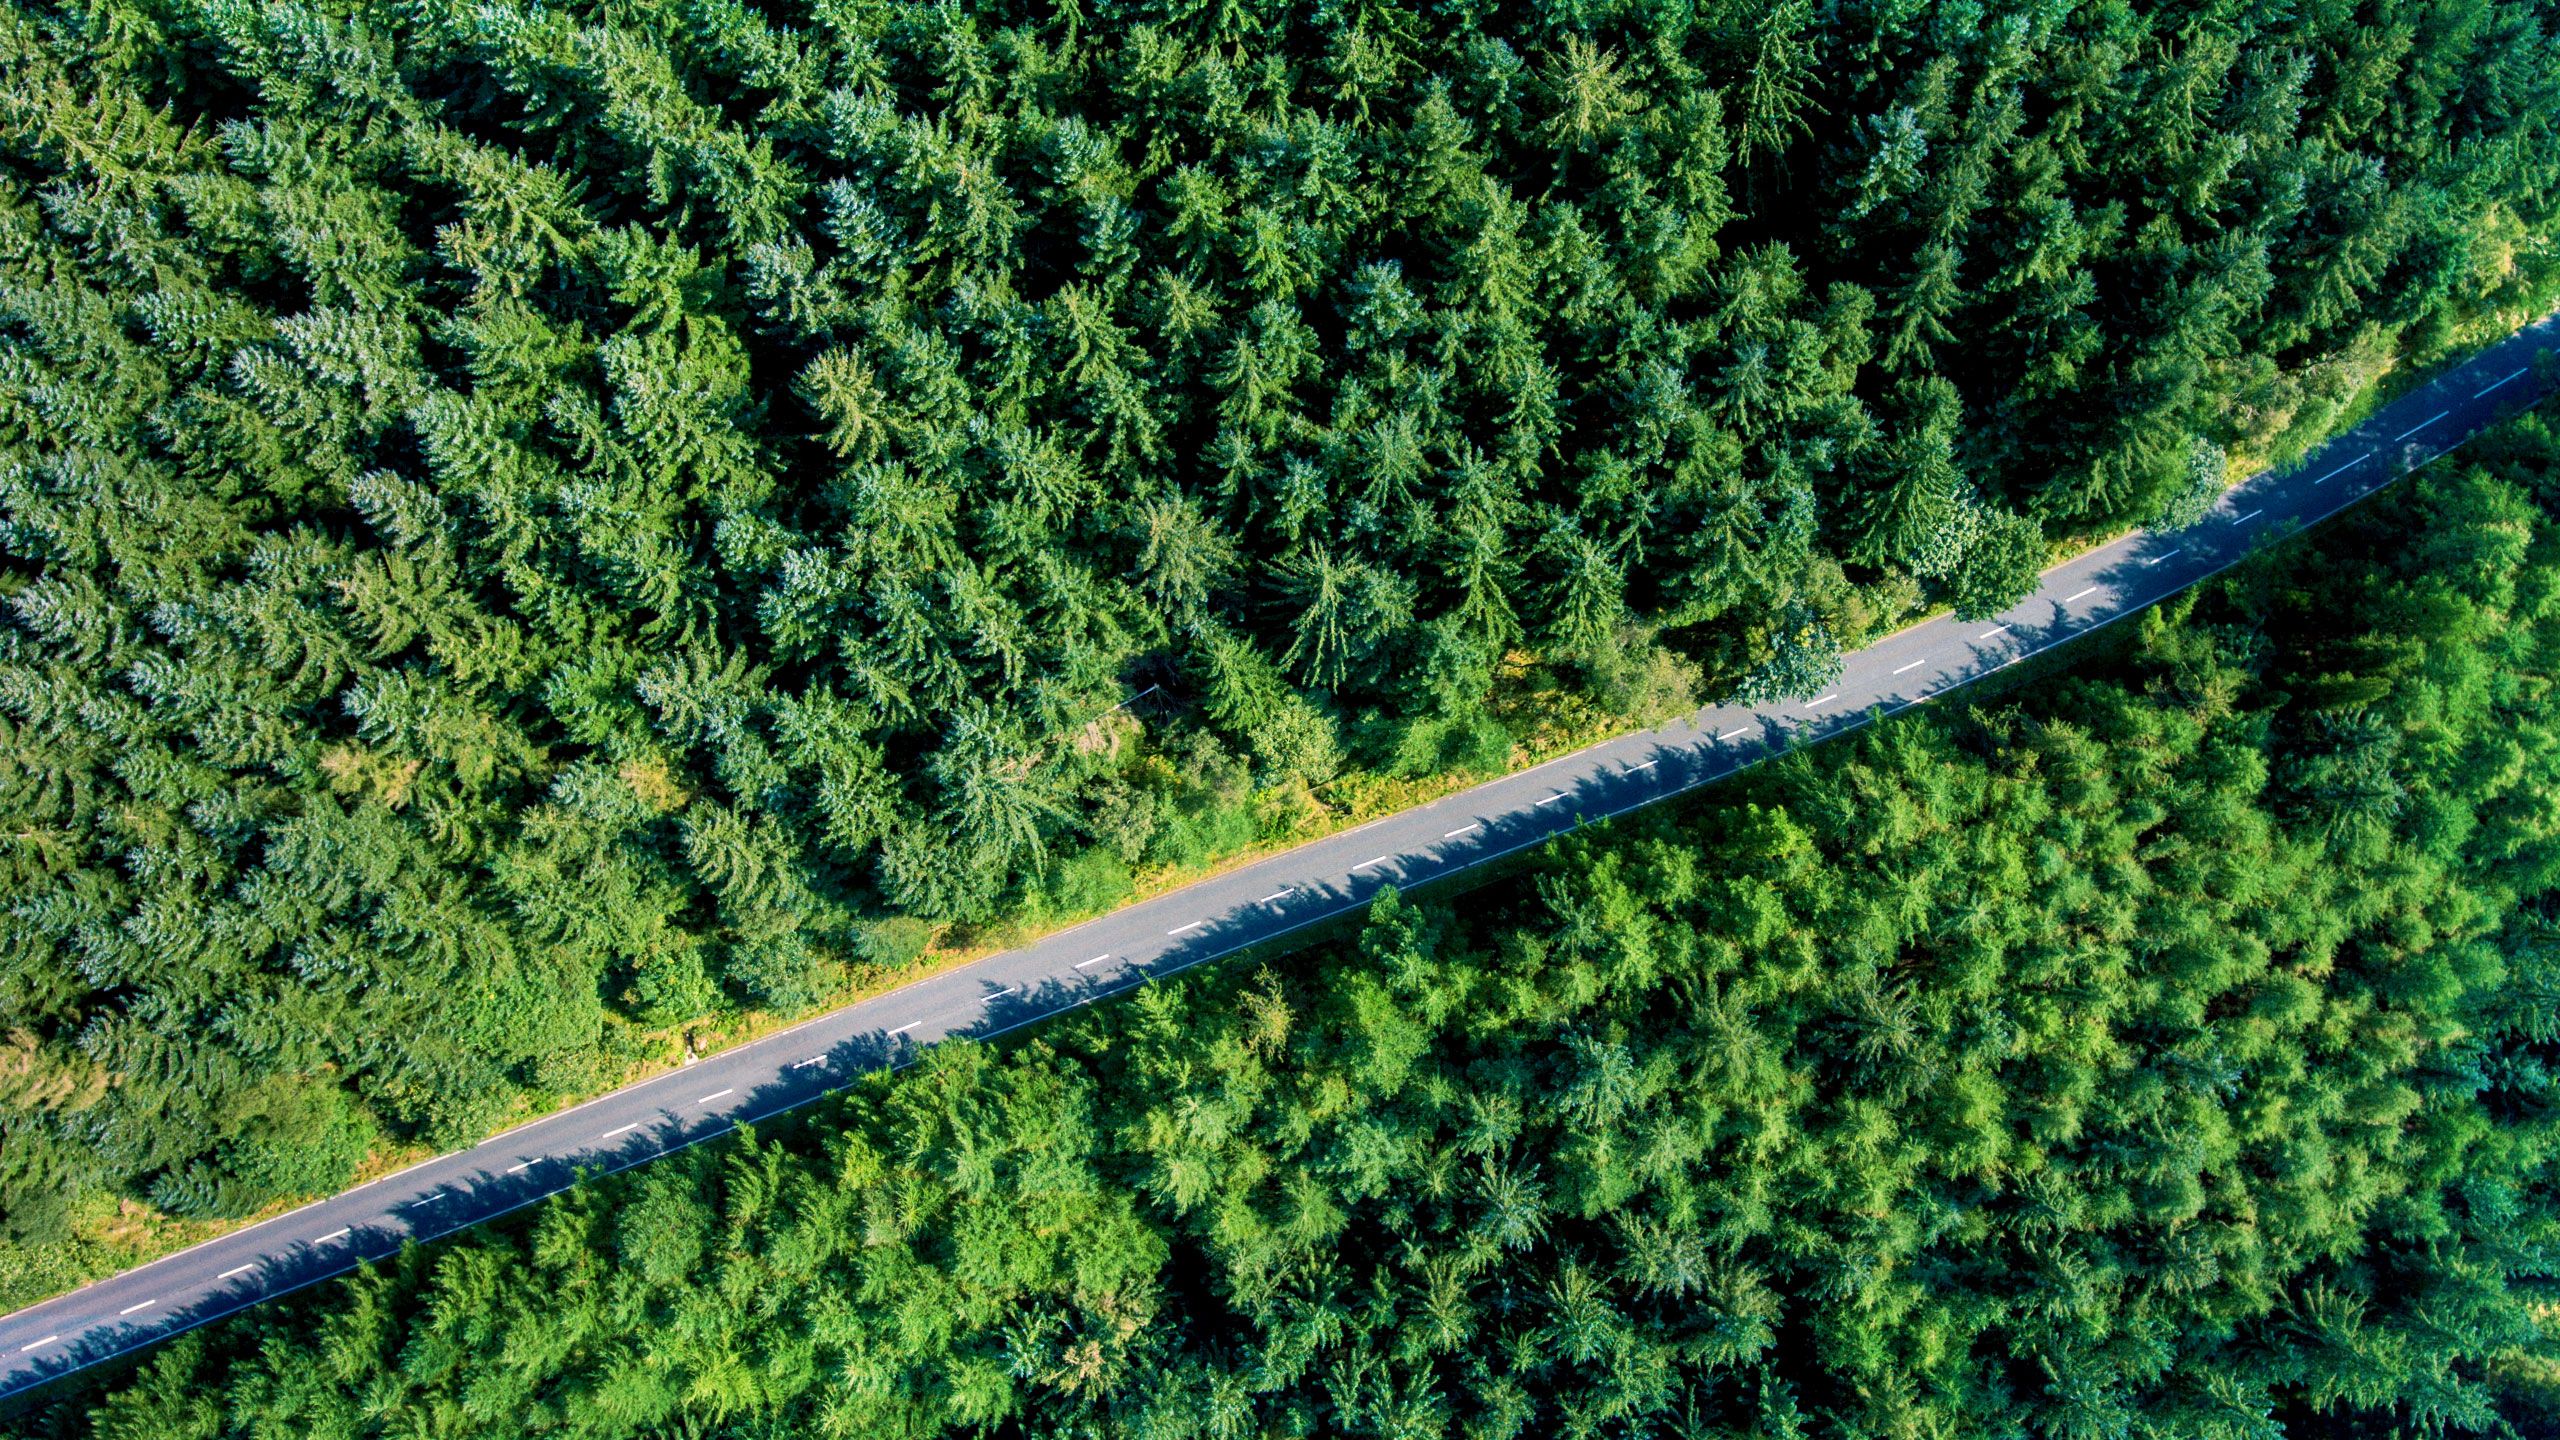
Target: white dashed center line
(1008, 990)
(338, 1234)
(1098, 959)
(903, 1029)
(237, 1270)
(622, 1130)
(421, 1200)
(805, 1064)
(2080, 595)
(716, 1094)
(519, 1167)
(2245, 519)
(1914, 665)
(1550, 800)
(1737, 730)
(2343, 469)
(1461, 830)
(1825, 700)
(2421, 425)
(37, 1344)
(2165, 554)
(1186, 929)
(145, 1305)
(1282, 893)
(1994, 630)
(2498, 384)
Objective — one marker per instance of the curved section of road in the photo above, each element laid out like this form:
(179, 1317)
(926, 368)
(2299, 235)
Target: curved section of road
(1219, 916)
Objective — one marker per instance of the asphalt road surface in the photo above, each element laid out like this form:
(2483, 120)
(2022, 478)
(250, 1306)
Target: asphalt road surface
(1219, 916)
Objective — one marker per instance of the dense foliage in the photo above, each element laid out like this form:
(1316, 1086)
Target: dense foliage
(524, 521)
(2161, 1053)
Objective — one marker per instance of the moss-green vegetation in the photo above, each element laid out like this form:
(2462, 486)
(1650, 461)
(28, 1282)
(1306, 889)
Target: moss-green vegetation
(2163, 1050)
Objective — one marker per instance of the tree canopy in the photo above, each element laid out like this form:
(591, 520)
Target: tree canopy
(522, 523)
(2160, 1050)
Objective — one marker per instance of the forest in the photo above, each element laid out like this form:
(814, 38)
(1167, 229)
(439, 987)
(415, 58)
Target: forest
(2160, 1048)
(525, 525)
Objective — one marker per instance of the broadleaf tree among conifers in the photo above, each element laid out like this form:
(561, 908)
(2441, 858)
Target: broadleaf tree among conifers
(527, 522)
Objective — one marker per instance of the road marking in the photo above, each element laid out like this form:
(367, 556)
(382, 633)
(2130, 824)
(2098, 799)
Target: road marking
(145, 1305)
(1461, 830)
(2163, 555)
(622, 1130)
(421, 1200)
(2421, 425)
(2082, 595)
(1008, 990)
(1649, 764)
(37, 1344)
(1825, 700)
(716, 1094)
(1098, 959)
(1994, 630)
(805, 1064)
(1282, 893)
(1550, 800)
(520, 1167)
(237, 1270)
(338, 1234)
(1914, 665)
(1383, 859)
(1184, 929)
(2499, 383)
(2244, 519)
(2343, 469)
(903, 1029)
(1729, 734)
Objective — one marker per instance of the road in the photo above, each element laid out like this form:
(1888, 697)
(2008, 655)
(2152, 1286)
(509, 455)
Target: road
(1256, 903)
